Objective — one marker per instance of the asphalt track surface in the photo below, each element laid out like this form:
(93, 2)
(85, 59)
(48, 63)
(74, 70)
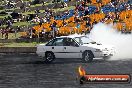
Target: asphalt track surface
(28, 71)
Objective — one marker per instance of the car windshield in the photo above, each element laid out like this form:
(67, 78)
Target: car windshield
(84, 40)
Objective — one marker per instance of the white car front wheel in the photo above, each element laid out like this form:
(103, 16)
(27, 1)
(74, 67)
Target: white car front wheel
(87, 56)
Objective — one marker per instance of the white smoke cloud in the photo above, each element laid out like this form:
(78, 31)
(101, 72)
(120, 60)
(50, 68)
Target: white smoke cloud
(106, 34)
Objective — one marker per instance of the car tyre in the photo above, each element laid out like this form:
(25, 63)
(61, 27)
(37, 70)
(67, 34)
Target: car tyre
(87, 56)
(49, 57)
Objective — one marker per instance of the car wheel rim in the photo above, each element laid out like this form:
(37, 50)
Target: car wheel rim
(49, 57)
(87, 56)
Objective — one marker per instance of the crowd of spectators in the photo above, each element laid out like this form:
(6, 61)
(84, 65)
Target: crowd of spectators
(88, 13)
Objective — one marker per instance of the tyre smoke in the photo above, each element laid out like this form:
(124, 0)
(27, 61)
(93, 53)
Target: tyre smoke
(107, 34)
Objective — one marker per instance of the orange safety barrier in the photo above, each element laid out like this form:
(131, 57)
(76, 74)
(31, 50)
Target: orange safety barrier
(97, 17)
(104, 2)
(52, 20)
(37, 28)
(122, 15)
(93, 1)
(59, 23)
(72, 24)
(119, 26)
(129, 26)
(46, 25)
(71, 19)
(64, 30)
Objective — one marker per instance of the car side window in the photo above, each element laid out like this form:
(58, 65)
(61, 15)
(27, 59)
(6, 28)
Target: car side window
(58, 42)
(77, 39)
(50, 43)
(74, 43)
(70, 42)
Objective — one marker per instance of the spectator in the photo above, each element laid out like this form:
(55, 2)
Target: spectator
(88, 24)
(2, 33)
(36, 2)
(43, 3)
(99, 1)
(97, 10)
(78, 25)
(128, 7)
(64, 23)
(0, 23)
(44, 20)
(6, 34)
(9, 23)
(53, 27)
(22, 6)
(86, 12)
(87, 1)
(62, 5)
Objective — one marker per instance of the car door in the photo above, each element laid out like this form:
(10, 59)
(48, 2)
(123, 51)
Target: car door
(56, 46)
(72, 48)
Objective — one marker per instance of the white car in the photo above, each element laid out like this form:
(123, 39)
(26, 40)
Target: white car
(73, 47)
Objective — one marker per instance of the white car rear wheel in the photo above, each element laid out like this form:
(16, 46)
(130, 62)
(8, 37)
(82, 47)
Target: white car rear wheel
(49, 57)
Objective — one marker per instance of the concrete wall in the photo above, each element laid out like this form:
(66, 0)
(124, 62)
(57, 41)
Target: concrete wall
(17, 49)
